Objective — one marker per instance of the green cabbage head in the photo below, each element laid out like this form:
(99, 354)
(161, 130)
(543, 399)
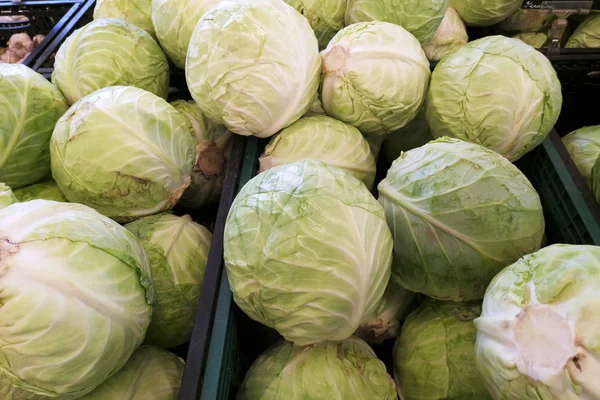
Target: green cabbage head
(535, 40)
(415, 134)
(307, 251)
(587, 34)
(538, 335)
(459, 214)
(76, 298)
(123, 151)
(434, 357)
(7, 197)
(150, 374)
(497, 92)
(325, 139)
(329, 370)
(375, 78)
(213, 146)
(450, 35)
(419, 17)
(177, 248)
(253, 66)
(110, 52)
(29, 109)
(583, 146)
(174, 22)
(485, 12)
(325, 16)
(47, 190)
(136, 12)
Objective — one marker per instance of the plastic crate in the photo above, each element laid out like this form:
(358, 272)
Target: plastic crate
(43, 17)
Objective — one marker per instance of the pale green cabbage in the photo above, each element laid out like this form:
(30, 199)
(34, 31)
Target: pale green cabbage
(497, 92)
(583, 146)
(535, 40)
(329, 370)
(450, 35)
(375, 78)
(325, 16)
(434, 356)
(150, 374)
(253, 66)
(174, 22)
(537, 337)
(307, 251)
(316, 108)
(29, 109)
(47, 190)
(76, 298)
(485, 12)
(7, 197)
(595, 178)
(587, 34)
(110, 52)
(420, 17)
(177, 248)
(325, 139)
(137, 12)
(123, 151)
(413, 135)
(213, 147)
(459, 214)
(526, 20)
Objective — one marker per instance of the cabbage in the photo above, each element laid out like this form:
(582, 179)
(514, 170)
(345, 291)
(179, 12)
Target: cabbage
(420, 17)
(253, 66)
(587, 34)
(434, 356)
(535, 40)
(538, 335)
(137, 12)
(325, 16)
(7, 197)
(526, 20)
(150, 374)
(325, 139)
(123, 151)
(30, 107)
(497, 92)
(174, 22)
(178, 251)
(316, 108)
(76, 299)
(375, 78)
(485, 12)
(583, 146)
(307, 251)
(329, 370)
(110, 52)
(413, 135)
(459, 214)
(450, 35)
(212, 152)
(47, 190)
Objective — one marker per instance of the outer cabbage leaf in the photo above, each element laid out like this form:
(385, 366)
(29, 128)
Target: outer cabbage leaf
(174, 22)
(415, 134)
(329, 370)
(497, 92)
(137, 12)
(76, 297)
(375, 78)
(213, 147)
(583, 146)
(307, 251)
(253, 66)
(450, 35)
(29, 109)
(325, 139)
(587, 34)
(47, 190)
(110, 52)
(485, 12)
(538, 332)
(178, 251)
(316, 108)
(419, 17)
(535, 40)
(150, 374)
(459, 214)
(434, 357)
(326, 17)
(123, 151)
(7, 197)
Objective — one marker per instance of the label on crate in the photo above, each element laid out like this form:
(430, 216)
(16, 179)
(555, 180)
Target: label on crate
(560, 5)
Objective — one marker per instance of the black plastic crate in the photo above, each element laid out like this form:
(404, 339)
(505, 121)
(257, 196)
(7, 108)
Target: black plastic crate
(42, 17)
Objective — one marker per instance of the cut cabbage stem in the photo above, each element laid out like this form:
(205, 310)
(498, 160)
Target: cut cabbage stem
(335, 59)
